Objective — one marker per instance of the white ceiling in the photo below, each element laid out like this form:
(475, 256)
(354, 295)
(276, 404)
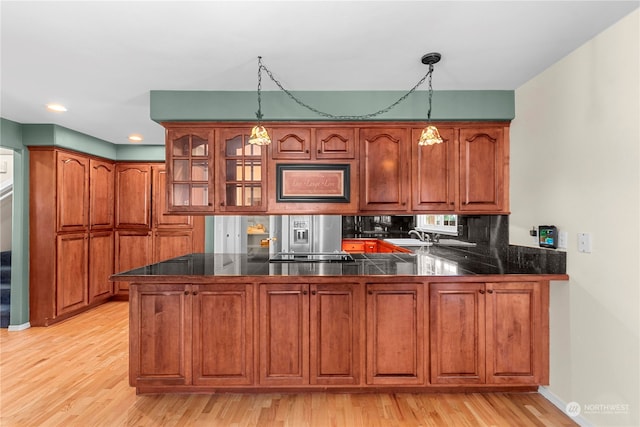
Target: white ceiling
(101, 59)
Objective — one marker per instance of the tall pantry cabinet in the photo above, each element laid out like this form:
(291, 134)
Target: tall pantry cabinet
(70, 233)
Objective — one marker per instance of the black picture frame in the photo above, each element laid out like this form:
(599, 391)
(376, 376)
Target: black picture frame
(317, 183)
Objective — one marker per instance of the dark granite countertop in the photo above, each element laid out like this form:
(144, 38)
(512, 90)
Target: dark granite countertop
(432, 261)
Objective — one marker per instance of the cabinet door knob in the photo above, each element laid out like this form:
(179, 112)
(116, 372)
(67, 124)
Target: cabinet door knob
(481, 291)
(306, 151)
(186, 292)
(195, 292)
(313, 292)
(304, 292)
(370, 292)
(490, 291)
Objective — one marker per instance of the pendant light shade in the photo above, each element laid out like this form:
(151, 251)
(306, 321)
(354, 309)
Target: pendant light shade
(430, 136)
(259, 136)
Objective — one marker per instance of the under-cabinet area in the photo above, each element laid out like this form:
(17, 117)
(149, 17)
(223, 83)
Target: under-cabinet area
(292, 333)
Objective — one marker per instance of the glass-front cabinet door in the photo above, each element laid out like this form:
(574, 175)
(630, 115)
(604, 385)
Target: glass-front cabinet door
(241, 172)
(190, 169)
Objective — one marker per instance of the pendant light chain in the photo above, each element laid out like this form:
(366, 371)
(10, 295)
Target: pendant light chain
(340, 117)
(259, 112)
(430, 74)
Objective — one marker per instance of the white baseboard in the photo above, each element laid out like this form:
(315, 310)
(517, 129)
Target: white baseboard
(560, 404)
(14, 328)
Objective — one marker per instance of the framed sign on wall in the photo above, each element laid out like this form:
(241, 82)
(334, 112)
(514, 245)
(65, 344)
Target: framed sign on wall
(312, 183)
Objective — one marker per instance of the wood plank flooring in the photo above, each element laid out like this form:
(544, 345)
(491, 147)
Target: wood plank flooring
(75, 374)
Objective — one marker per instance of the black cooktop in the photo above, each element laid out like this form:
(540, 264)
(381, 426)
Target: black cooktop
(311, 257)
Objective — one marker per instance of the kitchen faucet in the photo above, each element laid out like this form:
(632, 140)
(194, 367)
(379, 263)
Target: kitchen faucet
(421, 235)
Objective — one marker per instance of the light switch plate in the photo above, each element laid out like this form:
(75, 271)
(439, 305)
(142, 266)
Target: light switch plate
(584, 243)
(563, 237)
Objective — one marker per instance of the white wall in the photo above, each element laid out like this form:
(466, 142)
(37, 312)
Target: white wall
(575, 164)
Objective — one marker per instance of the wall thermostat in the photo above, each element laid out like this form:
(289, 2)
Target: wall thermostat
(548, 236)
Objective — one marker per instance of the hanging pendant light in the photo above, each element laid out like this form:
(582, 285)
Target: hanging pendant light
(430, 134)
(259, 135)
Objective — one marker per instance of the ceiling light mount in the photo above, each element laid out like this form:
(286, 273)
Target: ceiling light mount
(431, 58)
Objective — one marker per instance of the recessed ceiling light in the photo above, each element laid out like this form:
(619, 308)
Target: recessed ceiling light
(58, 108)
(135, 137)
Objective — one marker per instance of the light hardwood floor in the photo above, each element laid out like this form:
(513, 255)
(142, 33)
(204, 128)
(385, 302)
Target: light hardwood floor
(75, 374)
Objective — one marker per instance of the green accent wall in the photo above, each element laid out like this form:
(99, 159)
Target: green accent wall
(146, 153)
(276, 105)
(57, 136)
(48, 135)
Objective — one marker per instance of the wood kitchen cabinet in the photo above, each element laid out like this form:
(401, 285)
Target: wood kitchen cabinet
(322, 333)
(335, 333)
(309, 334)
(284, 334)
(467, 173)
(133, 195)
(395, 333)
(101, 224)
(241, 172)
(102, 195)
(191, 335)
(73, 245)
(223, 334)
(313, 143)
(72, 266)
(72, 189)
(434, 172)
(190, 166)
(483, 170)
(384, 175)
(101, 264)
(213, 169)
(489, 333)
(160, 318)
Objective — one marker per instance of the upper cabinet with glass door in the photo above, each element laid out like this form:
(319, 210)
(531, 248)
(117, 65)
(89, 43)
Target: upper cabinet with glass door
(189, 167)
(241, 174)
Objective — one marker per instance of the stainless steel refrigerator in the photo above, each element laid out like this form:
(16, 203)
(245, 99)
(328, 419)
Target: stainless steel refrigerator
(282, 233)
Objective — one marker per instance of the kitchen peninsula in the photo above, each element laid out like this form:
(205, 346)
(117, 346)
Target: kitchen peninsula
(436, 319)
